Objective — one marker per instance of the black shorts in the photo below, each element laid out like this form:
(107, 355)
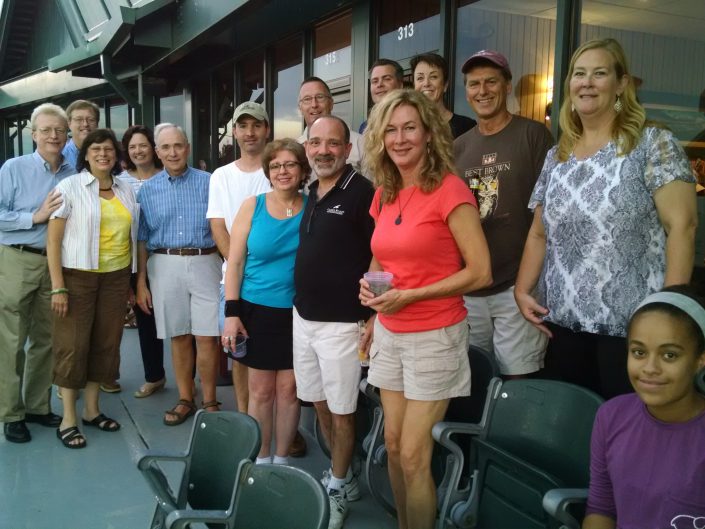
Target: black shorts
(270, 345)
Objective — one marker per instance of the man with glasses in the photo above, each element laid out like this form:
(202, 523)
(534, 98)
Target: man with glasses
(83, 119)
(333, 254)
(315, 101)
(176, 248)
(27, 198)
(385, 75)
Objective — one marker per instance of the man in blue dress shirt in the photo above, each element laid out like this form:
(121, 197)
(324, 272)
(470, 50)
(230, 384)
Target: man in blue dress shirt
(83, 119)
(27, 199)
(176, 249)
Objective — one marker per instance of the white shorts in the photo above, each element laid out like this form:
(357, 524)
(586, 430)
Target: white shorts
(185, 294)
(326, 363)
(429, 365)
(497, 325)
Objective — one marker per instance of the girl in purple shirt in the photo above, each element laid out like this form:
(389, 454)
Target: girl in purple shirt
(647, 465)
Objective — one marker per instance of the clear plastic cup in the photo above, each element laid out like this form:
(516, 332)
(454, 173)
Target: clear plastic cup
(239, 348)
(379, 282)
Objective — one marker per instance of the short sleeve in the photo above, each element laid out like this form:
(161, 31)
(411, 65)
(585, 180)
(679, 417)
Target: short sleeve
(601, 493)
(454, 192)
(64, 210)
(215, 202)
(665, 159)
(539, 194)
(376, 206)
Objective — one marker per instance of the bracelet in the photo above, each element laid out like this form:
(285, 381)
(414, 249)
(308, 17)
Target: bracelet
(232, 308)
(59, 291)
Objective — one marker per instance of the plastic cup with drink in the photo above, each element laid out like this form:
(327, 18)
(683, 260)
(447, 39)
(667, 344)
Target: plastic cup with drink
(379, 281)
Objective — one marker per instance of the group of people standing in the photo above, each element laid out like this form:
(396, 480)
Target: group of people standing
(299, 222)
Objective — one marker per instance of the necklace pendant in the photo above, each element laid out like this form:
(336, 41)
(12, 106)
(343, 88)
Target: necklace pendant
(289, 212)
(397, 221)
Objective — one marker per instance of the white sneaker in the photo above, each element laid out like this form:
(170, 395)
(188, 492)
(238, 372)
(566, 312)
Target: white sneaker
(352, 486)
(338, 508)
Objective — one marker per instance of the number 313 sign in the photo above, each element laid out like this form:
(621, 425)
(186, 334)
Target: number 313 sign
(405, 32)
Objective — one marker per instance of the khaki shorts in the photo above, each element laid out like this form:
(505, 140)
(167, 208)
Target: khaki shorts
(326, 363)
(185, 294)
(496, 325)
(429, 365)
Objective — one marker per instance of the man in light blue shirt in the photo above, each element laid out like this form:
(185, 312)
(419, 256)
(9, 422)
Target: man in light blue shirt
(27, 198)
(83, 119)
(177, 251)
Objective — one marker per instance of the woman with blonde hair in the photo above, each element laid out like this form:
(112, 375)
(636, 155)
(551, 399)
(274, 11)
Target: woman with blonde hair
(614, 220)
(428, 235)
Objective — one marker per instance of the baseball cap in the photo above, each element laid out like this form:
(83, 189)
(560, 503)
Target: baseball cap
(492, 56)
(250, 108)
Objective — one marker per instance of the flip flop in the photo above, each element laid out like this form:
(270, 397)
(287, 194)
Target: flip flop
(179, 417)
(103, 423)
(70, 434)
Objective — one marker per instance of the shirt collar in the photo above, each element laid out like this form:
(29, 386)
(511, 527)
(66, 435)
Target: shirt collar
(182, 176)
(342, 183)
(86, 178)
(47, 166)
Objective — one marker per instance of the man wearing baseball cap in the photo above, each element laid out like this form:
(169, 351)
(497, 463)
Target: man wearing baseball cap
(501, 159)
(230, 185)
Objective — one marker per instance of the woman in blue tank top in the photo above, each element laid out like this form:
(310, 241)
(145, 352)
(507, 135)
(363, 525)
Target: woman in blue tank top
(259, 293)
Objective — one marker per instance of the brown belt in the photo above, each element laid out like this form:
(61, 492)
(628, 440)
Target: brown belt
(30, 249)
(186, 251)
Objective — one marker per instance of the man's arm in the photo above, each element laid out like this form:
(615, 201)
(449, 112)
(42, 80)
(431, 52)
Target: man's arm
(220, 235)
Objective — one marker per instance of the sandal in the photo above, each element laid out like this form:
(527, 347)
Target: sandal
(104, 423)
(72, 433)
(178, 418)
(211, 404)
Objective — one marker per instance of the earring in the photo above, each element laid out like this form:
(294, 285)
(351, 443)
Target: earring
(572, 107)
(428, 147)
(618, 106)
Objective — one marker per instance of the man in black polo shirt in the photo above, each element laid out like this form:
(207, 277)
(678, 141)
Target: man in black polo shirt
(334, 252)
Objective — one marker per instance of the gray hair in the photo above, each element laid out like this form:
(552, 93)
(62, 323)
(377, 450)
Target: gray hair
(50, 109)
(163, 126)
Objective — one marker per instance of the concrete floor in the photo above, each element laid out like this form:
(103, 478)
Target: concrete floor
(46, 486)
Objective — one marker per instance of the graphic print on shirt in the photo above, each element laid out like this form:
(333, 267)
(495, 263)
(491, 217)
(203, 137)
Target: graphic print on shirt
(684, 521)
(335, 210)
(488, 185)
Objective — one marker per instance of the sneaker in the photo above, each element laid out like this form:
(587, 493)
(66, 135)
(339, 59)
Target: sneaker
(352, 486)
(338, 508)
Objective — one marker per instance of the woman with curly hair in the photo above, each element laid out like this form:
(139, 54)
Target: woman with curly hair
(428, 235)
(614, 221)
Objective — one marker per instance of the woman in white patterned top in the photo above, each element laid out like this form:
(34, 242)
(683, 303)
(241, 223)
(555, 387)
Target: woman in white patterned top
(90, 252)
(614, 221)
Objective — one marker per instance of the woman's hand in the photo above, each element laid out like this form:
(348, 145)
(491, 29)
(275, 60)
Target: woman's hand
(131, 297)
(144, 298)
(60, 304)
(233, 326)
(388, 303)
(532, 311)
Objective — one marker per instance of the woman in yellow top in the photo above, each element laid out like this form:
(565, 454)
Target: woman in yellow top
(90, 250)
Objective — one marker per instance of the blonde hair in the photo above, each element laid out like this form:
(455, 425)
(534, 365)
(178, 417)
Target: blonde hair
(439, 160)
(49, 109)
(628, 124)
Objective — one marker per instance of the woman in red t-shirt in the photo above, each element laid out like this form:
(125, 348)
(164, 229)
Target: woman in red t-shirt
(428, 235)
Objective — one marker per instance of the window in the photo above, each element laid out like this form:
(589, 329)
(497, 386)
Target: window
(171, 109)
(119, 119)
(524, 31)
(288, 73)
(408, 28)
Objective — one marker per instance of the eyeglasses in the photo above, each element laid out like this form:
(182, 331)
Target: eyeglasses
(289, 166)
(47, 131)
(320, 98)
(87, 121)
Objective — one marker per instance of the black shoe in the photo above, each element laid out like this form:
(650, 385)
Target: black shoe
(17, 432)
(48, 419)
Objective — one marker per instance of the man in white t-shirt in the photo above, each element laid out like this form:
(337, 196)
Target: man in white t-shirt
(230, 185)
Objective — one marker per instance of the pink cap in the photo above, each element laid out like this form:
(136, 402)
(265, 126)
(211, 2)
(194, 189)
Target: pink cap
(492, 56)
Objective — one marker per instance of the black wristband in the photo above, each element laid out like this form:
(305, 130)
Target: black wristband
(232, 308)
